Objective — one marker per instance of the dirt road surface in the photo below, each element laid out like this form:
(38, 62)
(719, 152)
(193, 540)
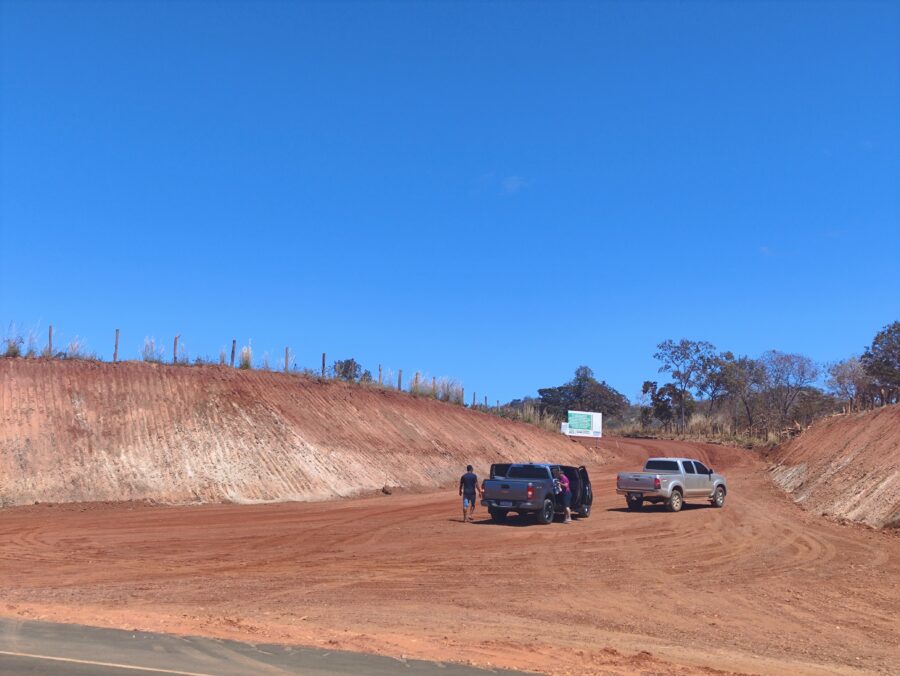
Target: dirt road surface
(760, 586)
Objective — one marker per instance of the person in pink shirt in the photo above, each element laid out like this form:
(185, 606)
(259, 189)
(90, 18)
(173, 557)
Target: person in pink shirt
(566, 495)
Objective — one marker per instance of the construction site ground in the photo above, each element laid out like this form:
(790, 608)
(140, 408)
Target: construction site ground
(761, 586)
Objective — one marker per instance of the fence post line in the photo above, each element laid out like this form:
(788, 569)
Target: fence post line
(175, 351)
(323, 364)
(380, 382)
(416, 383)
(233, 348)
(116, 350)
(285, 360)
(462, 396)
(50, 342)
(400, 380)
(433, 387)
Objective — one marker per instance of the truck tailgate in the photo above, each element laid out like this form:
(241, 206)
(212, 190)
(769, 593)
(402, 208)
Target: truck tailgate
(636, 481)
(506, 489)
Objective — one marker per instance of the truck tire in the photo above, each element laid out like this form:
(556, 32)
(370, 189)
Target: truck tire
(718, 499)
(584, 511)
(675, 501)
(545, 514)
(498, 515)
(634, 504)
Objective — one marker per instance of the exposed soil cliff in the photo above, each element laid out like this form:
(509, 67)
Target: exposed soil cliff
(846, 466)
(90, 431)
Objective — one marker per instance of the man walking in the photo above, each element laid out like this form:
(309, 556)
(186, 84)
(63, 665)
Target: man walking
(468, 488)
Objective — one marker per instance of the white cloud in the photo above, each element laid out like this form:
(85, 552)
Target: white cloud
(513, 184)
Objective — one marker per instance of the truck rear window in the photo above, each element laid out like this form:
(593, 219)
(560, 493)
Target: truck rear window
(661, 465)
(525, 472)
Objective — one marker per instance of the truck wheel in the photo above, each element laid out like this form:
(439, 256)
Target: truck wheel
(546, 513)
(498, 515)
(718, 497)
(675, 501)
(634, 503)
(584, 511)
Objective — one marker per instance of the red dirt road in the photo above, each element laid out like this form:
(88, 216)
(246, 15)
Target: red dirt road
(760, 586)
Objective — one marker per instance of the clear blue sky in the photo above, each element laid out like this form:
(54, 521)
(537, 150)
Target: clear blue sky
(493, 191)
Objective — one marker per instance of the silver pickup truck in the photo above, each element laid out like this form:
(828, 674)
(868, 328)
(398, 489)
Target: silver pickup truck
(672, 481)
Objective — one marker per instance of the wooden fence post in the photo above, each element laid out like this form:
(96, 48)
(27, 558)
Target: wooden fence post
(485, 402)
(175, 351)
(285, 360)
(473, 400)
(416, 383)
(433, 387)
(116, 350)
(323, 364)
(233, 348)
(50, 342)
(380, 382)
(462, 396)
(400, 380)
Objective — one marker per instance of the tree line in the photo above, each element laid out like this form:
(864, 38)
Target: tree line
(774, 393)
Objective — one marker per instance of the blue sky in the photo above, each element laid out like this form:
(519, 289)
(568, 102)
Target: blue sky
(497, 192)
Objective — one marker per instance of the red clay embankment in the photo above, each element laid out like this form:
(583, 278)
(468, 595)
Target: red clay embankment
(89, 431)
(846, 466)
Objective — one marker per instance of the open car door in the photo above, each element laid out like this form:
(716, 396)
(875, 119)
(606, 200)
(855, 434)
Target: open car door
(587, 493)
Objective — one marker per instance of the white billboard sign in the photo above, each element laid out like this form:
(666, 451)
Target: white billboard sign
(583, 424)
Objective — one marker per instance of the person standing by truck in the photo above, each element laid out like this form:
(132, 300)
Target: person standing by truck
(468, 489)
(566, 495)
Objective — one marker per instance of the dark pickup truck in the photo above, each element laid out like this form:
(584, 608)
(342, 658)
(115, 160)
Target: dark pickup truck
(534, 488)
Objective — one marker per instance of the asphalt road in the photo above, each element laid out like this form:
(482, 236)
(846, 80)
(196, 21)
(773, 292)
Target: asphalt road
(46, 648)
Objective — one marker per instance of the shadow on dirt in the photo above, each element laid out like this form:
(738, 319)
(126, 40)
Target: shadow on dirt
(518, 521)
(686, 507)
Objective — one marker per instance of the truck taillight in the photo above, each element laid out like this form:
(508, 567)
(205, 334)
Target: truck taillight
(529, 492)
(656, 483)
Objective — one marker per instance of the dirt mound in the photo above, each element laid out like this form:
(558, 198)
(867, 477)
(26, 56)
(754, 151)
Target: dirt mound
(90, 431)
(846, 466)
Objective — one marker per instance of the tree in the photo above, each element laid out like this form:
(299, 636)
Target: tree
(583, 393)
(660, 403)
(745, 380)
(848, 379)
(347, 369)
(786, 376)
(685, 360)
(711, 381)
(881, 361)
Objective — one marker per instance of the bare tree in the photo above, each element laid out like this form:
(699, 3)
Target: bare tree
(745, 380)
(786, 376)
(848, 379)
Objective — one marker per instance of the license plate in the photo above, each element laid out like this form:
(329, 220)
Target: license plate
(505, 503)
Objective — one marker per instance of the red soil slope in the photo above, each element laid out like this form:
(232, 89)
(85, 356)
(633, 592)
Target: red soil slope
(86, 431)
(846, 466)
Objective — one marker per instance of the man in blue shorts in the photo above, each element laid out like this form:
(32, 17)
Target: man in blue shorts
(468, 489)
